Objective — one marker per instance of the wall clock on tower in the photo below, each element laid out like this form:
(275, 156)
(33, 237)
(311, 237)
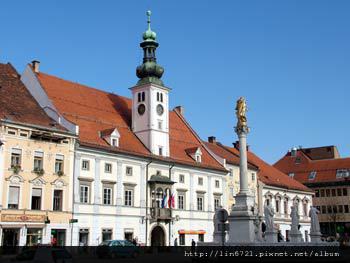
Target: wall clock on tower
(141, 109)
(160, 109)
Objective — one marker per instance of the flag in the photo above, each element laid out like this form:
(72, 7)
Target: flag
(164, 201)
(171, 201)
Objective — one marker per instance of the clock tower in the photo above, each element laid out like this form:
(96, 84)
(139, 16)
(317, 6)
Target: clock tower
(150, 99)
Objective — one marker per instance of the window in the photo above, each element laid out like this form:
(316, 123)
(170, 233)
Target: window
(161, 97)
(38, 160)
(139, 97)
(198, 158)
(23, 134)
(346, 208)
(85, 165)
(128, 170)
(217, 203)
(106, 234)
(36, 198)
(128, 235)
(285, 204)
(328, 192)
(342, 173)
(182, 178)
(333, 192)
(253, 176)
(158, 97)
(11, 132)
(59, 163)
(277, 202)
(34, 236)
(201, 237)
(181, 201)
(16, 157)
(324, 209)
(329, 209)
(182, 239)
(340, 209)
(217, 183)
(305, 208)
(345, 191)
(291, 175)
(128, 201)
(83, 237)
(339, 192)
(57, 200)
(84, 194)
(160, 150)
(108, 168)
(160, 125)
(317, 193)
(200, 180)
(13, 201)
(297, 160)
(322, 193)
(115, 142)
(107, 195)
(334, 209)
(200, 201)
(312, 175)
(143, 96)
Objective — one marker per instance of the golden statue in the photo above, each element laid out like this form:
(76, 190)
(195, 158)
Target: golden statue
(241, 109)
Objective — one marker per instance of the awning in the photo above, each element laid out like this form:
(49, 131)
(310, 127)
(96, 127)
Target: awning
(192, 232)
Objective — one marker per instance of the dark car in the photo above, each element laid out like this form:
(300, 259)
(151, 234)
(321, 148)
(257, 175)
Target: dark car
(117, 248)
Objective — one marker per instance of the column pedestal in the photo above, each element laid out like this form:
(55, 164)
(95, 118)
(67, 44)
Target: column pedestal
(271, 237)
(296, 237)
(315, 237)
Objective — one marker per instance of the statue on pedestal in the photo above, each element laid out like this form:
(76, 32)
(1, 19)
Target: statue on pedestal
(315, 224)
(269, 213)
(295, 219)
(241, 109)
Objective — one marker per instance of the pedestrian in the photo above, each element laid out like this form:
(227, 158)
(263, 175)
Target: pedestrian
(193, 245)
(175, 242)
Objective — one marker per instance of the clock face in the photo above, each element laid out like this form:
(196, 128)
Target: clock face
(160, 109)
(141, 109)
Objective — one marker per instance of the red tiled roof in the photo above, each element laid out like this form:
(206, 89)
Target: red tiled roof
(325, 169)
(95, 110)
(266, 173)
(17, 104)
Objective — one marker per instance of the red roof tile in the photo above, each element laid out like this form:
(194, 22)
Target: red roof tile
(266, 173)
(95, 110)
(325, 169)
(17, 104)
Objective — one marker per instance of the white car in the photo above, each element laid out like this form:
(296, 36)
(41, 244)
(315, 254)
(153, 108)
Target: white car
(43, 255)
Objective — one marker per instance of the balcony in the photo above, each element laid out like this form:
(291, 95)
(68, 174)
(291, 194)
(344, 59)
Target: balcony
(160, 214)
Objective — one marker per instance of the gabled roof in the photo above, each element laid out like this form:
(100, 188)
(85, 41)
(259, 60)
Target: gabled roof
(95, 110)
(266, 173)
(301, 165)
(17, 104)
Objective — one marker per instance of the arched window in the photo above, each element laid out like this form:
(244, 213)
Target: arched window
(143, 96)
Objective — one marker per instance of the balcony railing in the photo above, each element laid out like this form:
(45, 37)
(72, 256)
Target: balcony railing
(161, 213)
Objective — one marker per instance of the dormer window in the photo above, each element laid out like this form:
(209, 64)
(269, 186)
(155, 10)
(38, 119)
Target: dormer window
(312, 175)
(195, 153)
(342, 173)
(111, 136)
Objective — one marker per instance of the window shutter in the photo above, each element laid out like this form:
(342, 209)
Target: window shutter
(36, 192)
(39, 154)
(59, 157)
(16, 151)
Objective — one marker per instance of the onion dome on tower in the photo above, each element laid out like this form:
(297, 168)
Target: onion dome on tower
(149, 71)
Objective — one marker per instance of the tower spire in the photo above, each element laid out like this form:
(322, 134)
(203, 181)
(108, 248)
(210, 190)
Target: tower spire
(149, 71)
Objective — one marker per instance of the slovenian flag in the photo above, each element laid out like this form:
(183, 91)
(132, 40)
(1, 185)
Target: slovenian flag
(164, 201)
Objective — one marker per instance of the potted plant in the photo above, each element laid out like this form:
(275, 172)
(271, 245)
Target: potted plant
(39, 171)
(60, 173)
(16, 168)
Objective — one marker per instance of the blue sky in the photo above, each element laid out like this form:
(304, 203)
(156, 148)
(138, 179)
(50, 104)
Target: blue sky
(290, 59)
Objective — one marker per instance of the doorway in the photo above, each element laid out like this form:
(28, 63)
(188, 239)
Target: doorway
(58, 237)
(10, 237)
(157, 237)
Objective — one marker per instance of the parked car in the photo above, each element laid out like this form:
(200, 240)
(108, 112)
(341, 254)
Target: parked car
(43, 254)
(117, 248)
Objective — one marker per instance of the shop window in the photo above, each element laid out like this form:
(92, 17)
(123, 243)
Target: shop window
(34, 236)
(128, 235)
(13, 201)
(36, 198)
(201, 237)
(57, 200)
(107, 234)
(182, 239)
(83, 237)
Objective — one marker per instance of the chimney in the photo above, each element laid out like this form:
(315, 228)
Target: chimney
(212, 139)
(180, 110)
(35, 65)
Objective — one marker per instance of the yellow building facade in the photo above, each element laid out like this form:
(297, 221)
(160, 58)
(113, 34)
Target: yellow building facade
(36, 180)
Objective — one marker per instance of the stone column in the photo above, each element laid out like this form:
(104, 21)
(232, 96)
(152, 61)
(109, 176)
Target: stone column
(242, 218)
